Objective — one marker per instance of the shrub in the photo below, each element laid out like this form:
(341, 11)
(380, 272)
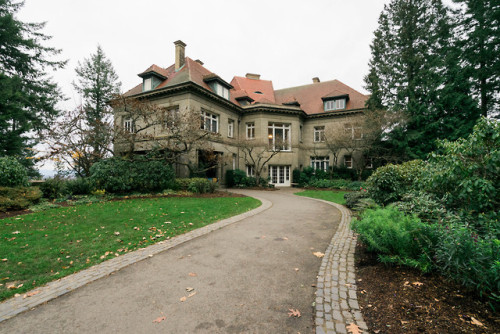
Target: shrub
(389, 183)
(424, 205)
(117, 175)
(397, 237)
(352, 199)
(79, 186)
(470, 259)
(234, 178)
(12, 173)
(342, 172)
(336, 184)
(53, 188)
(196, 185)
(18, 198)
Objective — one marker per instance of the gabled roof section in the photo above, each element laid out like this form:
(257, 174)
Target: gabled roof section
(155, 70)
(214, 77)
(258, 90)
(310, 97)
(191, 72)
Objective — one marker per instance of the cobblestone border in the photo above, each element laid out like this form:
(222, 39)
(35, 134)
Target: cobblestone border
(336, 301)
(13, 306)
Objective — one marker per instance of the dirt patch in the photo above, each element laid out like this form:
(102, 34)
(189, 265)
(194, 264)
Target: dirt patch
(216, 194)
(398, 299)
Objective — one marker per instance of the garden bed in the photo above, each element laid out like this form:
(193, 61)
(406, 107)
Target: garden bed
(398, 299)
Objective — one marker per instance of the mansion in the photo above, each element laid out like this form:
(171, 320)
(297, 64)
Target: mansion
(250, 109)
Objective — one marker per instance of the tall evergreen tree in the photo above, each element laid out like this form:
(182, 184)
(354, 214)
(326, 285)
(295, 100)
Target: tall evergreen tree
(84, 135)
(28, 96)
(413, 71)
(479, 23)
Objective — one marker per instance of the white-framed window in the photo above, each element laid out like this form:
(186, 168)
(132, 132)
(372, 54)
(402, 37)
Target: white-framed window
(355, 130)
(250, 130)
(222, 91)
(279, 136)
(250, 171)
(320, 163)
(128, 125)
(319, 134)
(348, 161)
(368, 162)
(334, 104)
(279, 175)
(147, 84)
(170, 117)
(230, 128)
(209, 121)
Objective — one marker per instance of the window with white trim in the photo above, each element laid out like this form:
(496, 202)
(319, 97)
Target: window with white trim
(348, 161)
(279, 136)
(368, 162)
(230, 128)
(319, 134)
(250, 171)
(334, 104)
(321, 163)
(221, 91)
(147, 84)
(128, 125)
(250, 130)
(355, 130)
(209, 122)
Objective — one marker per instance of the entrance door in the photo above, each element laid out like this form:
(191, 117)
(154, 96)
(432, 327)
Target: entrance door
(280, 175)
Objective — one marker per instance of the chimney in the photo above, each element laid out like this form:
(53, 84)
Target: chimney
(253, 76)
(316, 80)
(179, 54)
(199, 61)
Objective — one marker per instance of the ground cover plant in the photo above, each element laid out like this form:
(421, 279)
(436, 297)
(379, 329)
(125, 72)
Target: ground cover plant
(44, 246)
(327, 195)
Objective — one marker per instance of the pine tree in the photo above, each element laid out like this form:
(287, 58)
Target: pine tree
(84, 135)
(28, 97)
(479, 22)
(413, 71)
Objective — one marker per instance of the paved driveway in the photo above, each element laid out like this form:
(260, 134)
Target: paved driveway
(245, 277)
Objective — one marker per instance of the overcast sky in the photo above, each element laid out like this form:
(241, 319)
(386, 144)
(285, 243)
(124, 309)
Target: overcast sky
(288, 42)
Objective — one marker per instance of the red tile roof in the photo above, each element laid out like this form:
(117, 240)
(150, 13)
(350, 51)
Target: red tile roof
(156, 69)
(309, 96)
(251, 86)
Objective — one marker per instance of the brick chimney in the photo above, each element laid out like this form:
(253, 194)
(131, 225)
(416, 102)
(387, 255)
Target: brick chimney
(180, 58)
(316, 80)
(253, 76)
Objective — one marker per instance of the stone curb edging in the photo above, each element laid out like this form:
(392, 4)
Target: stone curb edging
(336, 303)
(15, 305)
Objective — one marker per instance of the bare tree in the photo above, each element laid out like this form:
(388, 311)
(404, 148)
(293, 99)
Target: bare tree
(79, 143)
(173, 133)
(258, 153)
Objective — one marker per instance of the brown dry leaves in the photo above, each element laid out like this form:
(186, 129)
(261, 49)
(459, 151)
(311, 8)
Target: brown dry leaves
(319, 254)
(476, 322)
(293, 313)
(160, 319)
(192, 274)
(354, 329)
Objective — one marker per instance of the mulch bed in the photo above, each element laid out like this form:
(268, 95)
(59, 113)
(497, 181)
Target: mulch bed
(398, 299)
(65, 204)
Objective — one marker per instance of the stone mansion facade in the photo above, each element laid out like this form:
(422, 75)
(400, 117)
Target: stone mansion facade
(249, 108)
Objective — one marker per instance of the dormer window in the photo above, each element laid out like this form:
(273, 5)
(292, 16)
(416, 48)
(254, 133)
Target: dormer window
(147, 84)
(221, 91)
(334, 104)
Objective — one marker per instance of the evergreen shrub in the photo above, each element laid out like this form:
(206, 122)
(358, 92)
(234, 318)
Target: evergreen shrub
(12, 173)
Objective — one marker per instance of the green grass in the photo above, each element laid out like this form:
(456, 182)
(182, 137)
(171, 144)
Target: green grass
(327, 195)
(44, 246)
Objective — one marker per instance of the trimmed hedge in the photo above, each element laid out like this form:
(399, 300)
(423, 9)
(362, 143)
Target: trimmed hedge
(19, 198)
(196, 185)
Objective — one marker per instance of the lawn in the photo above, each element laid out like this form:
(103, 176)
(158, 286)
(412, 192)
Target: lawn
(44, 246)
(328, 195)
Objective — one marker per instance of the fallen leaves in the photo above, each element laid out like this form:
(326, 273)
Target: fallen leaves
(183, 299)
(160, 319)
(192, 274)
(31, 294)
(293, 313)
(354, 329)
(417, 283)
(189, 289)
(191, 294)
(319, 254)
(476, 322)
(16, 232)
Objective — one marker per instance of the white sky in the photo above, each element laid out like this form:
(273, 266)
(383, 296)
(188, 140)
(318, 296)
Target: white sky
(288, 42)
